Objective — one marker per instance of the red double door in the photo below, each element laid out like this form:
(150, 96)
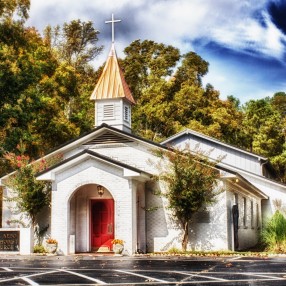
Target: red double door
(102, 224)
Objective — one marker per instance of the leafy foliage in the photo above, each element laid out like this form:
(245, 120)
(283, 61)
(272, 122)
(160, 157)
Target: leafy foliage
(11, 8)
(29, 195)
(39, 249)
(274, 234)
(170, 96)
(44, 94)
(191, 179)
(74, 43)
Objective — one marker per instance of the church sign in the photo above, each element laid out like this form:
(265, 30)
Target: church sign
(9, 240)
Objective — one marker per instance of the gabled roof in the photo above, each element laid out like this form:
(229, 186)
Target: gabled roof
(104, 132)
(129, 170)
(111, 83)
(211, 139)
(241, 182)
(112, 135)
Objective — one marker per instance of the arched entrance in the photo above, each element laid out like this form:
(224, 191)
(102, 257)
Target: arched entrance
(102, 224)
(91, 223)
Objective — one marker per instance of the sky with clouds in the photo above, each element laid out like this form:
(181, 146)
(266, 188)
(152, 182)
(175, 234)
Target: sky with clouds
(243, 40)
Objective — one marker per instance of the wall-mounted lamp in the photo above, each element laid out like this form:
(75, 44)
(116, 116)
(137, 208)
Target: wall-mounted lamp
(100, 190)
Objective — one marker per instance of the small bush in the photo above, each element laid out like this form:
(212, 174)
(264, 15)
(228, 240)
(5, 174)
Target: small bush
(39, 249)
(175, 250)
(274, 234)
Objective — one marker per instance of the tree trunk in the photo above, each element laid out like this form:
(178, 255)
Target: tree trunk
(185, 236)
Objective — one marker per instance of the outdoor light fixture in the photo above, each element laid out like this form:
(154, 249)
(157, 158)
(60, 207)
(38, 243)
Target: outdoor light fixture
(100, 190)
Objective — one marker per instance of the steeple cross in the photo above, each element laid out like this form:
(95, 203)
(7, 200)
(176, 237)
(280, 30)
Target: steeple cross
(112, 21)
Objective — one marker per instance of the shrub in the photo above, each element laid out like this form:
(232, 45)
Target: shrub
(274, 234)
(175, 250)
(39, 249)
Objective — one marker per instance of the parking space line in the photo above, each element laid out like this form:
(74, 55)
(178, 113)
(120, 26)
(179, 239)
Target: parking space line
(264, 276)
(31, 282)
(199, 275)
(27, 276)
(150, 279)
(7, 269)
(83, 276)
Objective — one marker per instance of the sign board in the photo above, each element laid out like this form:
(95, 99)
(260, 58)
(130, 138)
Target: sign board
(9, 240)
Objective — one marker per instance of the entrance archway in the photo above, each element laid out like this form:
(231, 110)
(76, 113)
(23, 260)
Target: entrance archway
(102, 224)
(91, 219)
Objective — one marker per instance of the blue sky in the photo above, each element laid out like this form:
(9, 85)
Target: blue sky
(243, 40)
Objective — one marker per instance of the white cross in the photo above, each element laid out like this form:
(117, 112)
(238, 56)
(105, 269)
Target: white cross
(112, 25)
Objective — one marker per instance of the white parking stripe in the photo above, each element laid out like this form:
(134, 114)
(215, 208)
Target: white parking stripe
(83, 276)
(27, 276)
(150, 279)
(31, 282)
(7, 269)
(264, 276)
(199, 275)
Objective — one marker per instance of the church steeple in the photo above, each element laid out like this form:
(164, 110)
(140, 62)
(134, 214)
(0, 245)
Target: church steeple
(112, 96)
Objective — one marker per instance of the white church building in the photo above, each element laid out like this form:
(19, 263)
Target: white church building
(104, 188)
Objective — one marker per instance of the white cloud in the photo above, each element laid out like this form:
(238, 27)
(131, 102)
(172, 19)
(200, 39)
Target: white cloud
(232, 24)
(227, 22)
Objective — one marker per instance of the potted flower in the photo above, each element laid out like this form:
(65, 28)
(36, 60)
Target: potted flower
(51, 245)
(118, 245)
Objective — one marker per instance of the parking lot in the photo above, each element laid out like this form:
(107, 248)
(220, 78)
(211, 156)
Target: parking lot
(81, 270)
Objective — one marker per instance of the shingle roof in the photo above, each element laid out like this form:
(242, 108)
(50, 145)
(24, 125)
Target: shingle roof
(111, 83)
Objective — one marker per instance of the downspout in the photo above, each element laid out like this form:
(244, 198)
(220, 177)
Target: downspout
(262, 166)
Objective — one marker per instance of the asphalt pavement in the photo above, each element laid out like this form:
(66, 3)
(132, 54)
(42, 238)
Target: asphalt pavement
(142, 270)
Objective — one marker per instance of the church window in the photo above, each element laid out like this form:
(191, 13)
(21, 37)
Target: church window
(244, 212)
(108, 111)
(257, 216)
(252, 214)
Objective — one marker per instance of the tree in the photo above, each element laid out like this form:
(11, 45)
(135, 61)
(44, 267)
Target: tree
(278, 101)
(75, 45)
(11, 8)
(146, 62)
(169, 93)
(191, 183)
(29, 195)
(75, 42)
(263, 127)
(44, 97)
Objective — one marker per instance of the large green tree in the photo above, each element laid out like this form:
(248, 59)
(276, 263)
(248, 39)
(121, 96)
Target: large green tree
(170, 96)
(75, 45)
(44, 94)
(263, 127)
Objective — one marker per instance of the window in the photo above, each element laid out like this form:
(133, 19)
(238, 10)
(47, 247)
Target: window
(108, 111)
(251, 214)
(257, 216)
(244, 213)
